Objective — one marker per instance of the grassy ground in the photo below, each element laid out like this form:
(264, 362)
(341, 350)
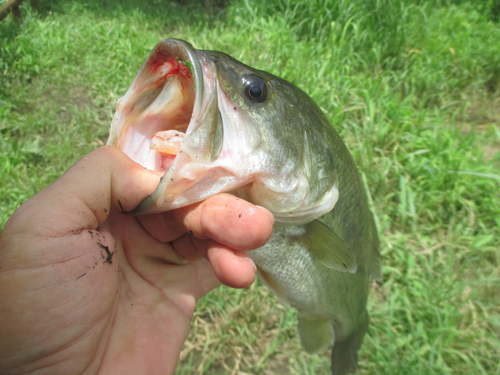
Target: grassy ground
(412, 86)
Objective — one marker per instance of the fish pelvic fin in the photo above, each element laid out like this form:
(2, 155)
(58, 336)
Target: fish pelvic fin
(315, 334)
(345, 352)
(273, 286)
(325, 246)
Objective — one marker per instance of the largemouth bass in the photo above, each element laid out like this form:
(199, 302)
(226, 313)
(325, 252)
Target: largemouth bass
(210, 124)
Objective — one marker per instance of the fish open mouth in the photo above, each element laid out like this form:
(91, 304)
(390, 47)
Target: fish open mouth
(169, 122)
(152, 118)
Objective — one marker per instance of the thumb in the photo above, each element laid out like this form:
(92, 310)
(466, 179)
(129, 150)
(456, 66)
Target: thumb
(82, 198)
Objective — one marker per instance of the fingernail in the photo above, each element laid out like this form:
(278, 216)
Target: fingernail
(247, 257)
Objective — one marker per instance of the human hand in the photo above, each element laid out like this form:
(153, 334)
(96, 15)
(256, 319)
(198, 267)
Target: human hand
(87, 289)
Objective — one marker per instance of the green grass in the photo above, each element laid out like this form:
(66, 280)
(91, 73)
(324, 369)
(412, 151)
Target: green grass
(413, 88)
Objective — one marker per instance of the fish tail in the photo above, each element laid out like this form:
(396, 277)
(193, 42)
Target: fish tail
(345, 352)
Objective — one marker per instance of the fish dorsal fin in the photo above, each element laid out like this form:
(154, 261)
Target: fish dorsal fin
(376, 261)
(376, 265)
(326, 247)
(315, 333)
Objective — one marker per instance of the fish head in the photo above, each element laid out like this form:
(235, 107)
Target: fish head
(211, 124)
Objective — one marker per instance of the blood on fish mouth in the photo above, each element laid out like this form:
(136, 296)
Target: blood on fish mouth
(158, 112)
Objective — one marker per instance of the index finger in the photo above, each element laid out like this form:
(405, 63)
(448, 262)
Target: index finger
(223, 218)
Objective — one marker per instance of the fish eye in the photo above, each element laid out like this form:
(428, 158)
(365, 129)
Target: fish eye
(255, 88)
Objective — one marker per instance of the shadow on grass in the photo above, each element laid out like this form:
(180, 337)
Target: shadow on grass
(168, 12)
(185, 11)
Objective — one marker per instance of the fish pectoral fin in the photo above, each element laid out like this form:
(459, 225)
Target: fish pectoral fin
(345, 351)
(315, 334)
(326, 247)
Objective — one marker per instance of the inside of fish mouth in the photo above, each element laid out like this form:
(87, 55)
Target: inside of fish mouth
(160, 115)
